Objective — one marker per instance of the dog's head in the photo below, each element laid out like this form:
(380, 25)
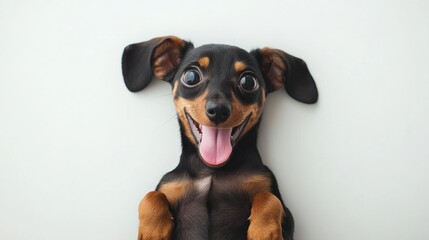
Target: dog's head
(219, 91)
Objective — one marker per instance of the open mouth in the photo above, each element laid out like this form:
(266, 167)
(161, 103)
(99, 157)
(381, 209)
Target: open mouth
(215, 144)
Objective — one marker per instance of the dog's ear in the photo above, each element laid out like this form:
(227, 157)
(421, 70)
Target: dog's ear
(158, 58)
(281, 69)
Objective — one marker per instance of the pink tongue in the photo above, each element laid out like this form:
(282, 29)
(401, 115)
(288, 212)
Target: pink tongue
(215, 146)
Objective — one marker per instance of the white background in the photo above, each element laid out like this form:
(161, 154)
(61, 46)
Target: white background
(78, 151)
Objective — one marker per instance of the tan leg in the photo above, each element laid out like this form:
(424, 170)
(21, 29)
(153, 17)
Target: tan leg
(156, 221)
(265, 218)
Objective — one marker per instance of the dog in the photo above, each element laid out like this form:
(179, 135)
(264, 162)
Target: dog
(220, 188)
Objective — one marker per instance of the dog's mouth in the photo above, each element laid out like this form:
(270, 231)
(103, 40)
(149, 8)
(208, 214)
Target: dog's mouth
(215, 144)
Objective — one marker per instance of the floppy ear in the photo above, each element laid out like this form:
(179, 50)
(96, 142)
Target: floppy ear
(158, 58)
(281, 69)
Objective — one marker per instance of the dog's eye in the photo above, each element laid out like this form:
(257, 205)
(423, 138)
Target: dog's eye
(248, 83)
(191, 77)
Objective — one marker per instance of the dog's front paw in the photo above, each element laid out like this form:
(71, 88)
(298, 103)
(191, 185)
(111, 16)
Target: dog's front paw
(156, 221)
(265, 218)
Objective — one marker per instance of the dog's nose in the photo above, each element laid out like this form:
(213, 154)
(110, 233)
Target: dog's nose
(218, 111)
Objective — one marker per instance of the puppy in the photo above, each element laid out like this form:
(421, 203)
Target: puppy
(220, 188)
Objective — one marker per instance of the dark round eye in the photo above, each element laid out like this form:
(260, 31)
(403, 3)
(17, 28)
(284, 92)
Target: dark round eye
(191, 77)
(248, 83)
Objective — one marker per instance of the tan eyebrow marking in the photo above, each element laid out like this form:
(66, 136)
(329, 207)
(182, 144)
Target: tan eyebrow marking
(239, 66)
(204, 62)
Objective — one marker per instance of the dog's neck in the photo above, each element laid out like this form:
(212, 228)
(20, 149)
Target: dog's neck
(245, 154)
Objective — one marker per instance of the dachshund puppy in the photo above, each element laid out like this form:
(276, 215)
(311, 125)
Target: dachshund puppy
(220, 188)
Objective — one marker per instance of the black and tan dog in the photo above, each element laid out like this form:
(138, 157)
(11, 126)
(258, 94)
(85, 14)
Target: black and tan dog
(220, 189)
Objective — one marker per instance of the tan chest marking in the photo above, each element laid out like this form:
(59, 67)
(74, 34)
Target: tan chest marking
(174, 191)
(256, 184)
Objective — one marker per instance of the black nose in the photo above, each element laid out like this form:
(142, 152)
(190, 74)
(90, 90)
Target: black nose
(218, 111)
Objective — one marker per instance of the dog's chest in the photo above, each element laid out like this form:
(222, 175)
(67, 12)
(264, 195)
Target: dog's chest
(215, 187)
(218, 203)
(202, 185)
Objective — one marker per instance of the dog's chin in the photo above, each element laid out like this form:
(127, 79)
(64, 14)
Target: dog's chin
(215, 144)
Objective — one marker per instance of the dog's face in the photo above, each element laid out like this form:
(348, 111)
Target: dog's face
(219, 91)
(219, 95)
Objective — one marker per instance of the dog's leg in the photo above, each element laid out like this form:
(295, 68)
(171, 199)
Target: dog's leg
(265, 217)
(156, 221)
